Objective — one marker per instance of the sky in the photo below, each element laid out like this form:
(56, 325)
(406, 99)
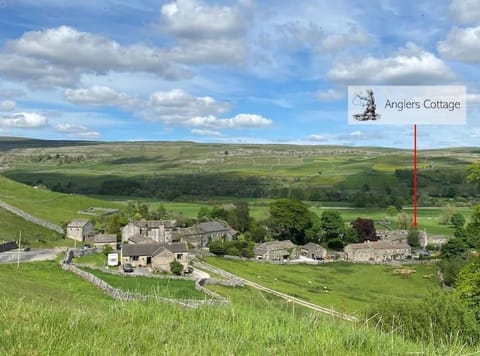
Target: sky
(244, 71)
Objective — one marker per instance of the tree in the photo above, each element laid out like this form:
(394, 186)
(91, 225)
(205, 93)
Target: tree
(413, 239)
(447, 214)
(332, 224)
(404, 221)
(203, 213)
(216, 247)
(457, 220)
(242, 214)
(468, 286)
(454, 247)
(257, 231)
(365, 229)
(176, 268)
(290, 219)
(391, 210)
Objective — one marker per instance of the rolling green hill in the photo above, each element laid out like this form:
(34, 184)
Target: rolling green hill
(176, 170)
(50, 206)
(11, 225)
(48, 311)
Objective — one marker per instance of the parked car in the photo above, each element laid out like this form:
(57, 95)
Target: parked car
(127, 268)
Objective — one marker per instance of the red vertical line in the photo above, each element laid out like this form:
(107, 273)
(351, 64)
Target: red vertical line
(415, 176)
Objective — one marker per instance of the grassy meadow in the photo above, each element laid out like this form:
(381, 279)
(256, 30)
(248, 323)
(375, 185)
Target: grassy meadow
(50, 206)
(351, 287)
(32, 234)
(162, 287)
(48, 311)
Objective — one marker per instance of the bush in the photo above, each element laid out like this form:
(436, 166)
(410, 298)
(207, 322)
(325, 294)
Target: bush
(176, 268)
(441, 317)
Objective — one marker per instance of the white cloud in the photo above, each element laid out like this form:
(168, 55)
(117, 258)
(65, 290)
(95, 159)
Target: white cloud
(58, 56)
(210, 133)
(473, 98)
(410, 65)
(24, 120)
(465, 11)
(205, 33)
(318, 138)
(462, 44)
(98, 95)
(301, 34)
(240, 121)
(338, 42)
(329, 95)
(74, 130)
(7, 105)
(195, 19)
(177, 107)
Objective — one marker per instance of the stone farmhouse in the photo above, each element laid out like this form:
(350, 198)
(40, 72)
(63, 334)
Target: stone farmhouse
(200, 234)
(401, 236)
(100, 241)
(313, 251)
(80, 229)
(156, 256)
(159, 231)
(377, 251)
(276, 250)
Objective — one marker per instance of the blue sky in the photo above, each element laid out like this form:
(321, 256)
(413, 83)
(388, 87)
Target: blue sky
(240, 71)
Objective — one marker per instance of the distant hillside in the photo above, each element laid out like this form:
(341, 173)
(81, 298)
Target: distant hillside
(367, 176)
(50, 206)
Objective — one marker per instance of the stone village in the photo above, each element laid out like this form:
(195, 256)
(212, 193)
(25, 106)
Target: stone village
(154, 244)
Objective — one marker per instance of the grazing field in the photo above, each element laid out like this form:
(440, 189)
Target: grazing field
(50, 206)
(345, 287)
(171, 170)
(48, 311)
(11, 225)
(162, 287)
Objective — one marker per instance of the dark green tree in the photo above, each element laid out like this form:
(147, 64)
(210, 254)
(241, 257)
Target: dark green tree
(413, 239)
(176, 268)
(289, 220)
(457, 220)
(333, 225)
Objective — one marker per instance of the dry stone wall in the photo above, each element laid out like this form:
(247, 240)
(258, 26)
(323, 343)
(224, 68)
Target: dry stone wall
(33, 219)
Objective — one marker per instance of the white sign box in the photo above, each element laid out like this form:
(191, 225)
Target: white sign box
(112, 259)
(407, 105)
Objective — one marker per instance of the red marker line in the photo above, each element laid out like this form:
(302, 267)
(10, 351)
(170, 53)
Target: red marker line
(414, 176)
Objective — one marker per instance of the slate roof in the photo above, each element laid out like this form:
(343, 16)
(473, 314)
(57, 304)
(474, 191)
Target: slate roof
(152, 223)
(152, 249)
(211, 226)
(378, 245)
(277, 245)
(313, 246)
(76, 223)
(105, 238)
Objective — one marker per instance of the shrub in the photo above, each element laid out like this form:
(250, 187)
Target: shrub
(176, 267)
(441, 317)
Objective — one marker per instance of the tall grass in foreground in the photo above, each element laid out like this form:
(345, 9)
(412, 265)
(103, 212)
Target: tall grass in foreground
(156, 329)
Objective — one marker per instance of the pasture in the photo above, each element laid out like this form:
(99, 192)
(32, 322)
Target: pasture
(345, 287)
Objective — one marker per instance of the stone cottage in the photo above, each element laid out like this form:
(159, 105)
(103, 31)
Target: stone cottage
(155, 230)
(377, 251)
(202, 233)
(313, 251)
(156, 256)
(100, 241)
(80, 229)
(276, 250)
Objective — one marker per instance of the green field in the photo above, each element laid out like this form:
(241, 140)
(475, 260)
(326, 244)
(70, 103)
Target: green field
(12, 225)
(351, 287)
(50, 206)
(48, 311)
(171, 170)
(161, 287)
